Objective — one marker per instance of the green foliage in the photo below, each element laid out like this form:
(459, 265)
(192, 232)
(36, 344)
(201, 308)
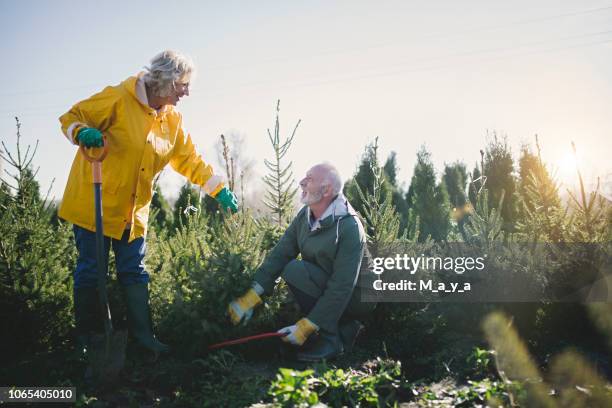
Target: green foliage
(381, 219)
(281, 193)
(391, 169)
(188, 202)
(484, 226)
(574, 380)
(482, 360)
(589, 215)
(372, 180)
(378, 383)
(498, 168)
(36, 259)
(374, 386)
(541, 213)
(429, 200)
(364, 178)
(476, 184)
(198, 271)
(210, 258)
(407, 221)
(293, 388)
(475, 393)
(162, 217)
(455, 180)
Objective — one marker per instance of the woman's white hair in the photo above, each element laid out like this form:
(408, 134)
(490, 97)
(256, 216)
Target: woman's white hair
(166, 69)
(331, 177)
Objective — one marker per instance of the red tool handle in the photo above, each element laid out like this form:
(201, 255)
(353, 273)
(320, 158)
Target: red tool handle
(246, 339)
(96, 161)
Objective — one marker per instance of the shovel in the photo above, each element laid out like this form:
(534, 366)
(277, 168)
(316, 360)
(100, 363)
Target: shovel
(107, 354)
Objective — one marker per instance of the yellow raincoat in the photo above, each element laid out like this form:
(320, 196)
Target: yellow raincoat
(141, 142)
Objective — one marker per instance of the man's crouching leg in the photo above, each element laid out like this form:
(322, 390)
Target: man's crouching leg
(306, 283)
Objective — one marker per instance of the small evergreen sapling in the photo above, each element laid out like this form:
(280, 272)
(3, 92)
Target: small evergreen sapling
(281, 190)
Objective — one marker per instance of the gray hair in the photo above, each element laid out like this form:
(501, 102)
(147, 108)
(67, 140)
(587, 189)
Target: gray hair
(166, 68)
(332, 177)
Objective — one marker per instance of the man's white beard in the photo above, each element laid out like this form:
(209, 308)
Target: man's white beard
(311, 198)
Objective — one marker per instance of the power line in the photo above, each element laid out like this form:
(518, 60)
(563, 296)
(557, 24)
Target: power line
(343, 51)
(444, 67)
(404, 68)
(401, 69)
(430, 36)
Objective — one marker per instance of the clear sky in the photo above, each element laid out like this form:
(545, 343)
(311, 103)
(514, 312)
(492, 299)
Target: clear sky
(440, 73)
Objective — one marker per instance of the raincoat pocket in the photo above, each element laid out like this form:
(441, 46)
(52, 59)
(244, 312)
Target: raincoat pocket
(110, 185)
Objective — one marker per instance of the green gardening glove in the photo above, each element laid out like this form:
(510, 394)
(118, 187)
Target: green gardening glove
(90, 137)
(227, 200)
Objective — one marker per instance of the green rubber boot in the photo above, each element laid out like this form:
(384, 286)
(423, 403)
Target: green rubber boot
(87, 317)
(349, 331)
(139, 317)
(324, 346)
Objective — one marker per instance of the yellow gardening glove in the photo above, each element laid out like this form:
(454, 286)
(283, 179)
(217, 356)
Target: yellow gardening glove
(241, 309)
(299, 332)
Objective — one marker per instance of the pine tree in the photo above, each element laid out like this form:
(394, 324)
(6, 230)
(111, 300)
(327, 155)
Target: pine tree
(382, 221)
(365, 180)
(484, 226)
(589, 221)
(36, 258)
(499, 172)
(455, 180)
(163, 216)
(5, 195)
(541, 213)
(188, 202)
(390, 168)
(281, 192)
(390, 171)
(475, 185)
(429, 200)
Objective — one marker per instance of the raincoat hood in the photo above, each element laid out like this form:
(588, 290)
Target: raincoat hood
(337, 209)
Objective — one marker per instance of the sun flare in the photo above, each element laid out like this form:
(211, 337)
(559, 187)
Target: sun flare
(567, 163)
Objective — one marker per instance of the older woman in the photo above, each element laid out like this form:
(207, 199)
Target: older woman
(144, 133)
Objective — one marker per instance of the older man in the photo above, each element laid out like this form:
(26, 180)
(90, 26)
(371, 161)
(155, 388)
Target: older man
(330, 238)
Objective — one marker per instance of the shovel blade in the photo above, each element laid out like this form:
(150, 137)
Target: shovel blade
(107, 358)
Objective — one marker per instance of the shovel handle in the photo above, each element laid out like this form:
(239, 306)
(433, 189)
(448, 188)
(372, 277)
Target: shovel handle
(96, 161)
(246, 339)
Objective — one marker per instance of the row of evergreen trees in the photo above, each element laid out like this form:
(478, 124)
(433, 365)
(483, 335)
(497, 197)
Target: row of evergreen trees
(199, 262)
(438, 208)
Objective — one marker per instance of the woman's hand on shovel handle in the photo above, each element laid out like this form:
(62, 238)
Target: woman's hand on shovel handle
(89, 137)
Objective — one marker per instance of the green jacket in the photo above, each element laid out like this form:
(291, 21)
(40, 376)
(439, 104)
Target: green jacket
(337, 247)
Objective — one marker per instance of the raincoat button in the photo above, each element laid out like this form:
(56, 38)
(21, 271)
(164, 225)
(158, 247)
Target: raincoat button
(142, 169)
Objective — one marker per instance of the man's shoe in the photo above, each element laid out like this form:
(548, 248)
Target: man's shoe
(349, 332)
(324, 347)
(139, 318)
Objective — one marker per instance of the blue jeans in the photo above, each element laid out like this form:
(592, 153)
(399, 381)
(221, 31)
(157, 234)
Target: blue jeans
(129, 259)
